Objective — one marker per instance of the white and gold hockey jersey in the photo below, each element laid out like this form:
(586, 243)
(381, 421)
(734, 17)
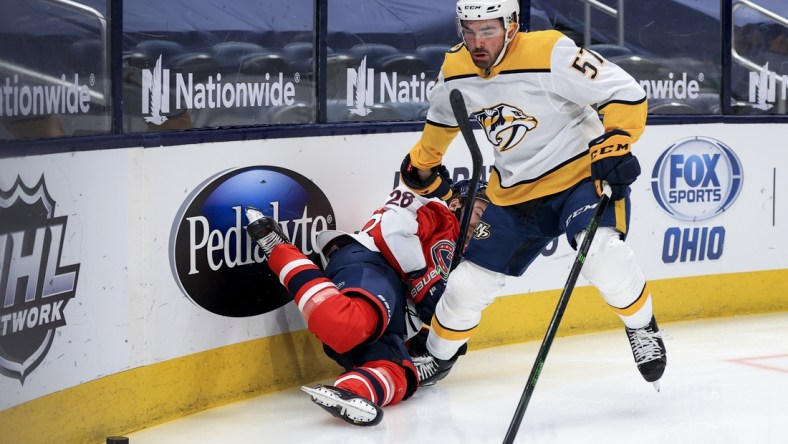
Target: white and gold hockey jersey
(535, 108)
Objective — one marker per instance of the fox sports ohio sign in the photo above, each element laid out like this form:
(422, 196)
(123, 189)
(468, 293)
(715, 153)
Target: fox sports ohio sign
(696, 179)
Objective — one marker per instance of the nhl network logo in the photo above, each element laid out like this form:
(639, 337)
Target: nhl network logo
(362, 95)
(763, 88)
(36, 287)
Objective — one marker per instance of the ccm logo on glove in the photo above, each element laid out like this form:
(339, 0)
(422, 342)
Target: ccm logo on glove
(612, 161)
(613, 143)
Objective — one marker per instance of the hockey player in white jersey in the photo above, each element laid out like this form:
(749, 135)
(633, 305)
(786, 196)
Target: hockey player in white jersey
(537, 97)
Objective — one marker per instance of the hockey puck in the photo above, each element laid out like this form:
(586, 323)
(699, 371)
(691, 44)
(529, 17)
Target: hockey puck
(117, 440)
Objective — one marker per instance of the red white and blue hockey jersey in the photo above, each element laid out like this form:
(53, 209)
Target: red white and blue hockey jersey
(416, 235)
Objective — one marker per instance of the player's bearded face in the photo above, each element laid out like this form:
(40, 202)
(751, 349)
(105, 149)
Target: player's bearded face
(484, 39)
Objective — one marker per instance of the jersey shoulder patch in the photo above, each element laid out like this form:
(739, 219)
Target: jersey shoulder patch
(531, 51)
(458, 63)
(528, 51)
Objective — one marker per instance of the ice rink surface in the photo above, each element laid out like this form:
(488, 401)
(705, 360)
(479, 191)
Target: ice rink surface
(726, 382)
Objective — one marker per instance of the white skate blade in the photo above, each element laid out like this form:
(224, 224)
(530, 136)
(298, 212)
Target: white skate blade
(656, 385)
(358, 409)
(253, 214)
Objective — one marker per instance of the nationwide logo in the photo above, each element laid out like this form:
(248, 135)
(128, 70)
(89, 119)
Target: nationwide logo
(361, 92)
(158, 92)
(696, 179)
(216, 263)
(672, 88)
(34, 286)
(763, 88)
(155, 94)
(58, 97)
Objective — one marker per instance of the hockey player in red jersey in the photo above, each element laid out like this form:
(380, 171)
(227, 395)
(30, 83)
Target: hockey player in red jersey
(537, 97)
(357, 306)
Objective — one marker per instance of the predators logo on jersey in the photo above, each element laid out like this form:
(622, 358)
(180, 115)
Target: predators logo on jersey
(505, 125)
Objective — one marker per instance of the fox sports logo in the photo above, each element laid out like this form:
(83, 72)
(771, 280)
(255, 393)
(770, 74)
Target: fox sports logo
(696, 179)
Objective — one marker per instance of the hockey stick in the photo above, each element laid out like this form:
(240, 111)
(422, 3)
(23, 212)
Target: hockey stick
(461, 114)
(559, 313)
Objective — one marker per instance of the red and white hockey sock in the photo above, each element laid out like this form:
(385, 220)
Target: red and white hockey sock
(338, 321)
(382, 382)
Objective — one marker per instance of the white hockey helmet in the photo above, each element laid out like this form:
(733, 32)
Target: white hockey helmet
(508, 10)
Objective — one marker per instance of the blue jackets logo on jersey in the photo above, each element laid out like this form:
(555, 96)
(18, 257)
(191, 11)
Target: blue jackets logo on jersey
(442, 254)
(696, 179)
(505, 125)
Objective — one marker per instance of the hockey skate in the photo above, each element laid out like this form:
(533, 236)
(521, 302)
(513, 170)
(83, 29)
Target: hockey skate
(649, 351)
(432, 369)
(345, 405)
(264, 230)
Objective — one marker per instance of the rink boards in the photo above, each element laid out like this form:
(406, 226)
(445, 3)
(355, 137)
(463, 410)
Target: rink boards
(133, 296)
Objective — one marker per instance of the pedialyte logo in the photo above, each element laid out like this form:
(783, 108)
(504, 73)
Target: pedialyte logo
(696, 179)
(213, 259)
(34, 286)
(505, 125)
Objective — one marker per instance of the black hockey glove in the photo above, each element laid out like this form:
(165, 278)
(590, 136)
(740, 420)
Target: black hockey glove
(612, 161)
(437, 185)
(426, 308)
(426, 288)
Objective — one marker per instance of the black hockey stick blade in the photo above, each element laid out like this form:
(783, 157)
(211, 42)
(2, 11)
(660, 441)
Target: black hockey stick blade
(461, 115)
(580, 258)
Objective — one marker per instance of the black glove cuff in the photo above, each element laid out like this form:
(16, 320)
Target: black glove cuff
(410, 175)
(438, 184)
(601, 139)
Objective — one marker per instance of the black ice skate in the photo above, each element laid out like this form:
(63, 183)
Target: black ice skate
(432, 369)
(264, 230)
(649, 351)
(345, 405)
